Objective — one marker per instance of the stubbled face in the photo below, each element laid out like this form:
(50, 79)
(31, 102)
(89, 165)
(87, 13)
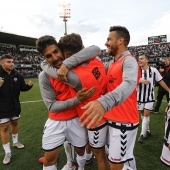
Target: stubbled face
(7, 64)
(112, 43)
(53, 55)
(142, 61)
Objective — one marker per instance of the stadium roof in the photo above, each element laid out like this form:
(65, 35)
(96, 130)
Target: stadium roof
(7, 38)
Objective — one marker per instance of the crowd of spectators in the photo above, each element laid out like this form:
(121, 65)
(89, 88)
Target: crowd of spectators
(22, 56)
(30, 57)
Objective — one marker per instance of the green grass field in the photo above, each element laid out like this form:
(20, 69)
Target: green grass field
(33, 117)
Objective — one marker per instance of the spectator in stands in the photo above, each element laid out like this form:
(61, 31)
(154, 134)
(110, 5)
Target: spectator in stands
(165, 72)
(10, 107)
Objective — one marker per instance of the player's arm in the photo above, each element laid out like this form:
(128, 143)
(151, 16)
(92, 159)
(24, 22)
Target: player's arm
(49, 95)
(162, 83)
(96, 109)
(118, 95)
(83, 55)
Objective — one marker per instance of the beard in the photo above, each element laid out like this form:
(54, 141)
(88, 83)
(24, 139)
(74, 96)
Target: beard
(113, 50)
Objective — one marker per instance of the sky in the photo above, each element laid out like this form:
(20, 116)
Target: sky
(89, 18)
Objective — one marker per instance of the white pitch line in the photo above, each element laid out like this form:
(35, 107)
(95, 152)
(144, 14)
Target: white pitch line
(33, 101)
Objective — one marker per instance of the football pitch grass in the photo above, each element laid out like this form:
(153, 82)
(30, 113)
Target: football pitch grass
(33, 117)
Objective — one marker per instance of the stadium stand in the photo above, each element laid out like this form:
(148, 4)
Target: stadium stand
(27, 60)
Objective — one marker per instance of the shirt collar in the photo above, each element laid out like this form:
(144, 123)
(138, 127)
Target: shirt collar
(121, 55)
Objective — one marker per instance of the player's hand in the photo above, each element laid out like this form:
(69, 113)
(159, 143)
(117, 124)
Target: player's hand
(1, 81)
(84, 94)
(93, 115)
(145, 82)
(30, 83)
(62, 72)
(161, 70)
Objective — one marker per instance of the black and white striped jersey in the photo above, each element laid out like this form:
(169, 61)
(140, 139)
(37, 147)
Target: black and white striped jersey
(145, 93)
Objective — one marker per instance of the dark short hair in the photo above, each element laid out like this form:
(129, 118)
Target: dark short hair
(71, 43)
(43, 42)
(121, 32)
(145, 56)
(6, 56)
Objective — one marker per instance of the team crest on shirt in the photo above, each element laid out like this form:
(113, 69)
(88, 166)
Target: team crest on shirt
(96, 72)
(15, 79)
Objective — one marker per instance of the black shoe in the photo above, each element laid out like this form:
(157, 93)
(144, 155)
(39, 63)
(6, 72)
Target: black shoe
(89, 161)
(148, 134)
(140, 139)
(155, 111)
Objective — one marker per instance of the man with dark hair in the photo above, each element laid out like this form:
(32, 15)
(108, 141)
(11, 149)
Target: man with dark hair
(119, 105)
(165, 72)
(60, 98)
(146, 95)
(94, 71)
(11, 83)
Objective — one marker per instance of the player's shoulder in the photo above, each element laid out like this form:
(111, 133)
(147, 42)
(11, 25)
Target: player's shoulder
(154, 69)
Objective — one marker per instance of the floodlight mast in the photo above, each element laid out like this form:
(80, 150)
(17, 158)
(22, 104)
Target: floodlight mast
(64, 12)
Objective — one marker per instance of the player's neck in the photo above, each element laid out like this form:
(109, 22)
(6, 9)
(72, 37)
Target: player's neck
(145, 67)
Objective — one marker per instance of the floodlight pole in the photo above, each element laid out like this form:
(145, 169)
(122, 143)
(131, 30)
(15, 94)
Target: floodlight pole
(64, 13)
(65, 20)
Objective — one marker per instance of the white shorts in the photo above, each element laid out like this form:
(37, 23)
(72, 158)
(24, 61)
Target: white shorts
(147, 106)
(56, 132)
(165, 156)
(121, 144)
(5, 120)
(98, 136)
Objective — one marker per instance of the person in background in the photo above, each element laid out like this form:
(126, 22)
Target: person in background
(165, 72)
(165, 156)
(146, 95)
(119, 105)
(11, 84)
(60, 98)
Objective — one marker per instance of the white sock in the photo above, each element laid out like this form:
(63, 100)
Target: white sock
(148, 129)
(7, 148)
(132, 163)
(67, 148)
(15, 138)
(145, 124)
(81, 160)
(72, 152)
(126, 167)
(52, 167)
(142, 117)
(88, 156)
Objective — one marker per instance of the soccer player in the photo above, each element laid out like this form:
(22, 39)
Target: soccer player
(145, 94)
(12, 83)
(119, 105)
(60, 98)
(94, 71)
